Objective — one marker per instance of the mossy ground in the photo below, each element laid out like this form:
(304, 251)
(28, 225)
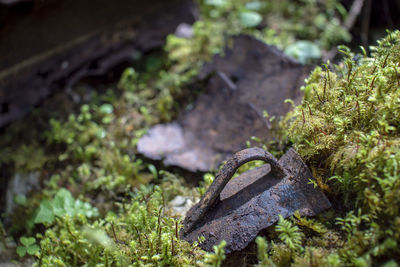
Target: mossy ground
(118, 214)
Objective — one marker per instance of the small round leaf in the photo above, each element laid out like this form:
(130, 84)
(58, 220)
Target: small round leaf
(21, 251)
(106, 108)
(250, 19)
(32, 250)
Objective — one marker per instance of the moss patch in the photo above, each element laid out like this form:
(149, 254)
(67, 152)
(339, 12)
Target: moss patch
(348, 129)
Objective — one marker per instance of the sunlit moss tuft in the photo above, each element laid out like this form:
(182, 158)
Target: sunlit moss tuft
(348, 123)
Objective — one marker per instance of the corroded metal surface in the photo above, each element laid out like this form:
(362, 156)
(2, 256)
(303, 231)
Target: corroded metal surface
(250, 78)
(237, 210)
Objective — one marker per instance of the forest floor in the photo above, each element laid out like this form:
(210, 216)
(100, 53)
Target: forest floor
(79, 193)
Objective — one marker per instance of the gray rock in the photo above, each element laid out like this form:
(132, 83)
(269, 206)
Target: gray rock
(180, 205)
(184, 30)
(20, 184)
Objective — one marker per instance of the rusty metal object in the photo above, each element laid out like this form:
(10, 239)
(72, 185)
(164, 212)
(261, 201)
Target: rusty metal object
(237, 210)
(251, 77)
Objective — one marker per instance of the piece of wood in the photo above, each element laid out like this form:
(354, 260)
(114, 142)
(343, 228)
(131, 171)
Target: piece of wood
(58, 42)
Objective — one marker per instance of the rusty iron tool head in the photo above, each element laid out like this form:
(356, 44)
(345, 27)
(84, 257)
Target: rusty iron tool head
(237, 210)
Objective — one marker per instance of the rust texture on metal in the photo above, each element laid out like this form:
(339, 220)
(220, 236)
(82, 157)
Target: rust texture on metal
(251, 77)
(237, 210)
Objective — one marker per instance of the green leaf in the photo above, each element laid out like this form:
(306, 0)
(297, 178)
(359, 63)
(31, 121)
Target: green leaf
(249, 19)
(107, 119)
(21, 251)
(153, 171)
(106, 108)
(58, 206)
(45, 213)
(20, 200)
(215, 2)
(62, 202)
(85, 209)
(101, 133)
(27, 241)
(32, 250)
(78, 208)
(303, 51)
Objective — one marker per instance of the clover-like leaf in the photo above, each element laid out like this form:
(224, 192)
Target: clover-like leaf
(21, 251)
(27, 241)
(63, 204)
(32, 250)
(45, 213)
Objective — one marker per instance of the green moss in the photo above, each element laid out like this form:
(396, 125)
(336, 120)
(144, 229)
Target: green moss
(348, 129)
(348, 122)
(139, 233)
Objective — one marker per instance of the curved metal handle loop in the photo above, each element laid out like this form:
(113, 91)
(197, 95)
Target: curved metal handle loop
(223, 177)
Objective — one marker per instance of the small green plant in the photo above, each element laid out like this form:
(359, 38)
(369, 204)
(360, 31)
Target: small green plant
(312, 224)
(215, 259)
(63, 204)
(290, 234)
(304, 51)
(208, 179)
(141, 233)
(262, 253)
(28, 245)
